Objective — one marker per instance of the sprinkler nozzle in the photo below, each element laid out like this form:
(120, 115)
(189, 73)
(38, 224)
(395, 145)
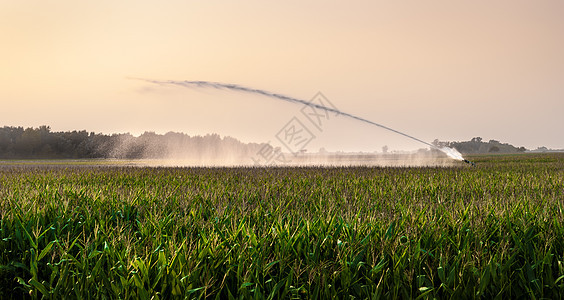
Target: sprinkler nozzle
(469, 162)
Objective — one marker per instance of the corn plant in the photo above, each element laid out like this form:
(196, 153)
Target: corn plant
(494, 231)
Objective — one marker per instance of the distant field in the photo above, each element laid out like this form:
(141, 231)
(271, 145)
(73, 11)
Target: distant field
(118, 231)
(67, 162)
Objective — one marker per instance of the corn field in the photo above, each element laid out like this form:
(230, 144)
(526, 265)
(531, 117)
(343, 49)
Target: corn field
(494, 231)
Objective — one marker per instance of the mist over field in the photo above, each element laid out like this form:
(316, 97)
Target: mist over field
(178, 149)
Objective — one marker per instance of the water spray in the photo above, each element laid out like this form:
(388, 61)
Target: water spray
(450, 152)
(454, 154)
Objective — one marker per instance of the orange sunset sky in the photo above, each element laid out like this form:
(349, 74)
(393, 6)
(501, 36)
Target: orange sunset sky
(447, 70)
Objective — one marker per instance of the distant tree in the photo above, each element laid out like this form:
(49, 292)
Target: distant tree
(440, 144)
(385, 149)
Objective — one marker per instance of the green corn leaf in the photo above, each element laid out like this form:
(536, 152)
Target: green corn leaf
(39, 286)
(46, 250)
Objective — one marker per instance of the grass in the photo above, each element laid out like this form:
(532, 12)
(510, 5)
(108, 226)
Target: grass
(494, 231)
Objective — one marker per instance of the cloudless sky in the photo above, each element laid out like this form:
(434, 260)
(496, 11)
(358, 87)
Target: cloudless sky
(447, 70)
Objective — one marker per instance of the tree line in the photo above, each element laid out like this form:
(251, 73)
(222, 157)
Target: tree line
(41, 142)
(476, 145)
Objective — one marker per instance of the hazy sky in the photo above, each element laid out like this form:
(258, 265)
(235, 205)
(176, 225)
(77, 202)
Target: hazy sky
(448, 70)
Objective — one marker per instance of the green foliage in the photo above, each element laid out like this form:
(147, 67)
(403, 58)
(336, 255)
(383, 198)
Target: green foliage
(477, 146)
(494, 231)
(41, 143)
